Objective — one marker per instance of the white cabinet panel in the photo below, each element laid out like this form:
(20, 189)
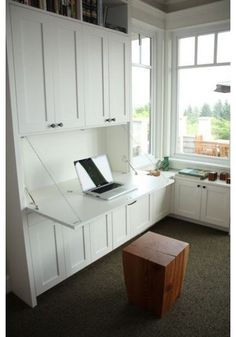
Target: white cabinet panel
(215, 205)
(160, 203)
(32, 52)
(206, 202)
(139, 215)
(96, 76)
(120, 227)
(77, 249)
(100, 237)
(47, 255)
(188, 199)
(69, 106)
(119, 69)
(65, 71)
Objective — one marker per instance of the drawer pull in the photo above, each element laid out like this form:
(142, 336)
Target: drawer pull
(132, 203)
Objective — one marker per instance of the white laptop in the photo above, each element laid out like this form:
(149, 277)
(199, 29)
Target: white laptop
(96, 179)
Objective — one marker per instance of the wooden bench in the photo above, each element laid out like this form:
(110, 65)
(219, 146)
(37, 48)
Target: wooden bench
(154, 268)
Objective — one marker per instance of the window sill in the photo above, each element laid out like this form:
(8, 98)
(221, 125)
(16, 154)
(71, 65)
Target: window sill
(177, 163)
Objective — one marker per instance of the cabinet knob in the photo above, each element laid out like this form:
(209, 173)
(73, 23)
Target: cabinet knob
(113, 120)
(52, 125)
(107, 120)
(60, 124)
(198, 185)
(204, 186)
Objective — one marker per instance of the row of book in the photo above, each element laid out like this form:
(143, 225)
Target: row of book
(92, 11)
(70, 8)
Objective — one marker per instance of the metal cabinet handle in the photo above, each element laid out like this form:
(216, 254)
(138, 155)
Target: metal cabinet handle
(52, 125)
(204, 186)
(60, 124)
(107, 120)
(132, 203)
(198, 185)
(113, 119)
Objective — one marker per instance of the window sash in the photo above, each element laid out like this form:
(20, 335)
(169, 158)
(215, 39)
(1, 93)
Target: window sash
(174, 89)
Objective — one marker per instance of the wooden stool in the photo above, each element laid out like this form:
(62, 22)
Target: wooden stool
(154, 268)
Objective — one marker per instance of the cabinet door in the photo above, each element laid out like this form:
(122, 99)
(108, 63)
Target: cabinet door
(96, 76)
(77, 249)
(160, 203)
(139, 215)
(215, 205)
(120, 227)
(119, 79)
(188, 199)
(47, 255)
(32, 35)
(68, 75)
(100, 237)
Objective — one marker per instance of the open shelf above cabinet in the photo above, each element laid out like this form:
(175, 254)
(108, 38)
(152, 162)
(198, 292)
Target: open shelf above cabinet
(112, 14)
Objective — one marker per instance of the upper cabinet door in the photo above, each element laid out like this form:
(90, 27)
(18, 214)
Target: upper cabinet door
(33, 60)
(96, 76)
(68, 74)
(119, 69)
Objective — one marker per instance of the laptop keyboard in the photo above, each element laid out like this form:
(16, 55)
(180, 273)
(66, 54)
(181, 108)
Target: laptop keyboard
(106, 188)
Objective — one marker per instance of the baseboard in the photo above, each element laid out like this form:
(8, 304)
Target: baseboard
(180, 217)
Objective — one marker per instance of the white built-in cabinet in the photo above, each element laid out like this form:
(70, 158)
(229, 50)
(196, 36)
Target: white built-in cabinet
(106, 81)
(160, 203)
(68, 74)
(100, 236)
(205, 202)
(58, 252)
(120, 226)
(47, 253)
(76, 248)
(138, 213)
(48, 71)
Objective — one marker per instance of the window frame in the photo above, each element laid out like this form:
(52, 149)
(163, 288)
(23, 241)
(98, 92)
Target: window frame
(182, 33)
(156, 102)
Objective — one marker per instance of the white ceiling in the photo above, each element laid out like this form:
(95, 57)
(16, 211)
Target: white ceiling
(175, 5)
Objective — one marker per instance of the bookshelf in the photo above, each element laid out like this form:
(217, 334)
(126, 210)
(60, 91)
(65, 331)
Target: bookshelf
(112, 14)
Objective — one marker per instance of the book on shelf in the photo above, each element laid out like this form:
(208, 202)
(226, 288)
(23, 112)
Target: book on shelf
(90, 11)
(78, 6)
(202, 174)
(100, 12)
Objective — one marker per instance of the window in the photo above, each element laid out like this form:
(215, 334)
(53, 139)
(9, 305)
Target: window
(141, 94)
(203, 113)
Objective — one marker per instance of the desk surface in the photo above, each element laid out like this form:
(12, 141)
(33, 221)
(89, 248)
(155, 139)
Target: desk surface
(68, 205)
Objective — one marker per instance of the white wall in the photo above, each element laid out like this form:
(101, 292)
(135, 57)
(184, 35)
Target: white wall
(58, 152)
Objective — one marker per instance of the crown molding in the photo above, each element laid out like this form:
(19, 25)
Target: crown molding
(144, 12)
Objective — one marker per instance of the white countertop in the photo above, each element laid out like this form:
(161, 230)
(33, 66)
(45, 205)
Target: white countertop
(68, 205)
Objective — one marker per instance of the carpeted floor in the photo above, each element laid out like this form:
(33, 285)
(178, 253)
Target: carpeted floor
(93, 302)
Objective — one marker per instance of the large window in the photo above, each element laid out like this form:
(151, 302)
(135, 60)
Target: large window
(203, 95)
(141, 94)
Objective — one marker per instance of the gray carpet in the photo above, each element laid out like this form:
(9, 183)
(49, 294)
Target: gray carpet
(93, 302)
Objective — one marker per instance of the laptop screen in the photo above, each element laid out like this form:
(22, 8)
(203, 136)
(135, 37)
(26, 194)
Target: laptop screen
(93, 172)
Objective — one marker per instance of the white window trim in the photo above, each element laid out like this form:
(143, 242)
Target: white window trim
(187, 158)
(157, 36)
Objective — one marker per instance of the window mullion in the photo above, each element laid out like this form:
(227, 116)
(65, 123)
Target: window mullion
(215, 48)
(196, 50)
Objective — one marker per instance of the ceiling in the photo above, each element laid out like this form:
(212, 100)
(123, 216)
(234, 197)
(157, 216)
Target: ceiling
(168, 6)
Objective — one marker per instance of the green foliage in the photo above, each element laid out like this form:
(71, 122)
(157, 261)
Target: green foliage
(142, 112)
(220, 128)
(220, 119)
(222, 110)
(206, 111)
